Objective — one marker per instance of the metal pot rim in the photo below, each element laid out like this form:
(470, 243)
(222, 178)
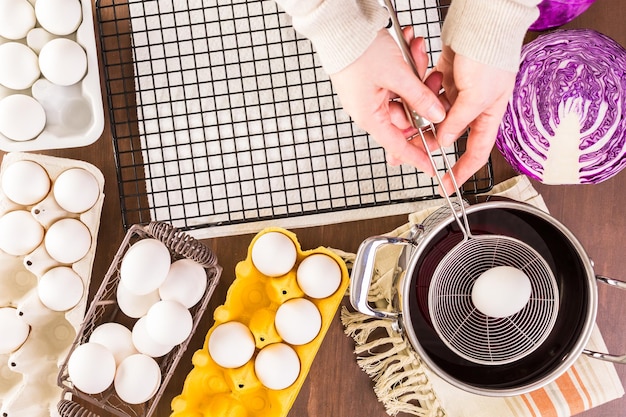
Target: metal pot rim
(566, 362)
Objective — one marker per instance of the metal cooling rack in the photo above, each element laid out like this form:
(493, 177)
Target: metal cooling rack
(222, 115)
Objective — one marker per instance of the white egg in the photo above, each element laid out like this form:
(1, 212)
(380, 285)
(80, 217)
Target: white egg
(137, 379)
(68, 240)
(19, 67)
(63, 61)
(145, 344)
(298, 321)
(169, 322)
(25, 182)
(61, 17)
(186, 282)
(91, 368)
(13, 329)
(22, 117)
(60, 289)
(76, 190)
(133, 305)
(145, 266)
(274, 254)
(277, 366)
(318, 275)
(501, 291)
(20, 233)
(17, 17)
(117, 338)
(231, 344)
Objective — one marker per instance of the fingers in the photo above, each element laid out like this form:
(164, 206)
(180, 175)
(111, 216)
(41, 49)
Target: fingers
(400, 150)
(434, 81)
(410, 88)
(397, 115)
(480, 142)
(464, 110)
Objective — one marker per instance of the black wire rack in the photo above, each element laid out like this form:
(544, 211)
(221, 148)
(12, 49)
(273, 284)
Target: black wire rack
(222, 115)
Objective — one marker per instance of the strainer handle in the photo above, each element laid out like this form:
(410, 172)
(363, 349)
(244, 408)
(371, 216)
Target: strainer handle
(621, 359)
(423, 125)
(606, 356)
(363, 272)
(612, 282)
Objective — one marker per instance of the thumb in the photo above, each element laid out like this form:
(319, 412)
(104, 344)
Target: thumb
(461, 114)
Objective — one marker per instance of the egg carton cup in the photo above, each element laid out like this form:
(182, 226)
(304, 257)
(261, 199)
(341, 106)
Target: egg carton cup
(75, 113)
(104, 309)
(253, 299)
(28, 375)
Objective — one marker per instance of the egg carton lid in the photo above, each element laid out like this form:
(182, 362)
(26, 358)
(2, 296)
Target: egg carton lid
(104, 308)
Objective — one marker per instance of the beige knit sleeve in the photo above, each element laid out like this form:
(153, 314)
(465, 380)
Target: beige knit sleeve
(340, 30)
(489, 31)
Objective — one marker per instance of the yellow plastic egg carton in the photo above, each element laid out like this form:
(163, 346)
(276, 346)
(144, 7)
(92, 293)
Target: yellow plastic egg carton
(253, 299)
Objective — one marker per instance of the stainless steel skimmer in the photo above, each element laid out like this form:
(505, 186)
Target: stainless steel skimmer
(461, 326)
(424, 125)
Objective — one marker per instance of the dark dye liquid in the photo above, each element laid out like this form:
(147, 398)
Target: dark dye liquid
(569, 273)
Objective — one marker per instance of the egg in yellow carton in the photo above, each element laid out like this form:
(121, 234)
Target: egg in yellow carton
(258, 352)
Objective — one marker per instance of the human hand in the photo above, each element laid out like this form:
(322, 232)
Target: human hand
(368, 86)
(478, 94)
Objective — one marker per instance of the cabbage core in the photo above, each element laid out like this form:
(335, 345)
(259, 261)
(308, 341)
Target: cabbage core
(565, 122)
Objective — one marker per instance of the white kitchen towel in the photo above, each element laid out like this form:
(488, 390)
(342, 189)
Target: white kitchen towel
(404, 384)
(240, 128)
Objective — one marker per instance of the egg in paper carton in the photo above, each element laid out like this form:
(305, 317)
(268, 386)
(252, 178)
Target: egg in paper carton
(50, 212)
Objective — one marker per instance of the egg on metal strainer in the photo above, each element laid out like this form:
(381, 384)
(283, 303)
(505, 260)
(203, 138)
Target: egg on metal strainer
(501, 291)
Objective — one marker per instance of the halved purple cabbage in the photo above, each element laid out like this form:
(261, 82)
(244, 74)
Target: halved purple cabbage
(566, 122)
(555, 13)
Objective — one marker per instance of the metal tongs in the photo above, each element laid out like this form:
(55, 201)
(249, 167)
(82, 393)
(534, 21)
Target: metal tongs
(424, 125)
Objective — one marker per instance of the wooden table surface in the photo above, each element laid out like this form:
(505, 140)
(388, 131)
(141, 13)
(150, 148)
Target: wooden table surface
(336, 386)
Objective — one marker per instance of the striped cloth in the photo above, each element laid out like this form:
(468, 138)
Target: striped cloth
(587, 384)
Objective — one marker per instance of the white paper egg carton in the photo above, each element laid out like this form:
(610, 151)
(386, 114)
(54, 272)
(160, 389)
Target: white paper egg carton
(28, 376)
(75, 113)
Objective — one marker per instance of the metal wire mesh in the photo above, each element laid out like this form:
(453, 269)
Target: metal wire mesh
(221, 115)
(467, 330)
